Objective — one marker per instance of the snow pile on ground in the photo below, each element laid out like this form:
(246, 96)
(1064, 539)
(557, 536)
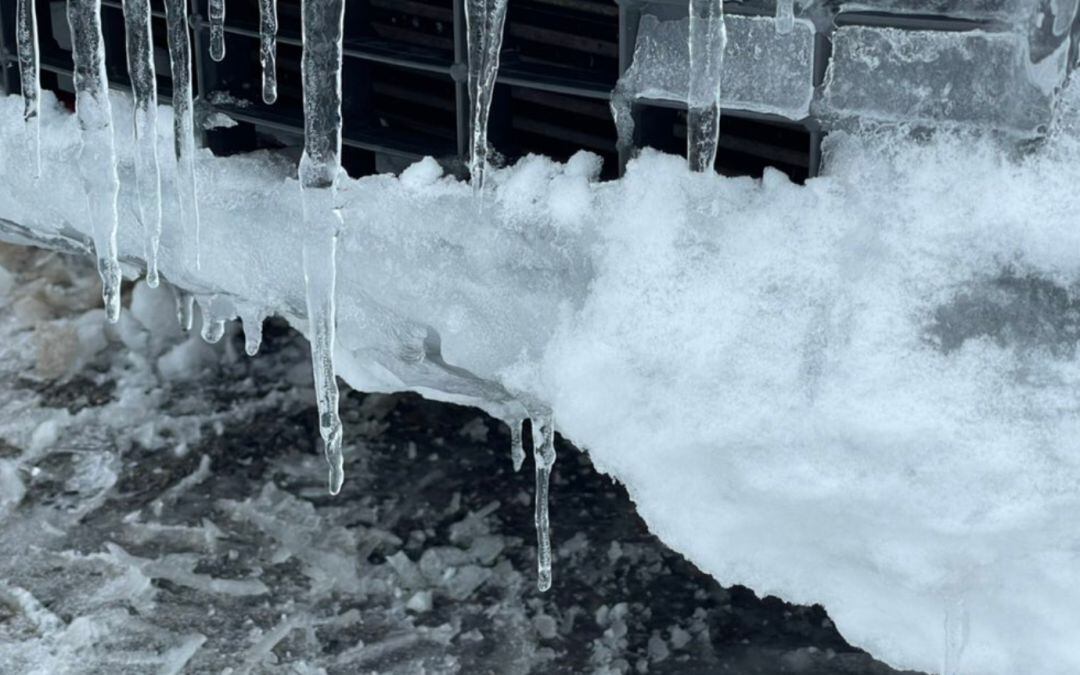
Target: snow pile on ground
(862, 392)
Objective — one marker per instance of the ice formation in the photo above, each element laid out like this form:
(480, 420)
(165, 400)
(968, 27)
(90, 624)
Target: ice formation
(320, 170)
(26, 44)
(485, 20)
(96, 157)
(707, 40)
(140, 60)
(544, 458)
(216, 10)
(183, 122)
(785, 15)
(268, 49)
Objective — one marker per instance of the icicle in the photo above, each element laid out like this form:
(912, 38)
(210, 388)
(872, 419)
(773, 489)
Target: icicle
(268, 49)
(97, 156)
(26, 43)
(957, 625)
(708, 37)
(183, 122)
(213, 326)
(185, 310)
(320, 166)
(517, 448)
(216, 10)
(785, 16)
(484, 21)
(623, 113)
(140, 58)
(544, 459)
(252, 322)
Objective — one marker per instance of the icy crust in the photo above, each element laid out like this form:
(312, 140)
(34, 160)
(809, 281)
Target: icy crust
(887, 74)
(863, 392)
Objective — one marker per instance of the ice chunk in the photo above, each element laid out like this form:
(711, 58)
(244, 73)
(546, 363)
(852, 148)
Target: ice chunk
(140, 59)
(972, 78)
(484, 20)
(764, 71)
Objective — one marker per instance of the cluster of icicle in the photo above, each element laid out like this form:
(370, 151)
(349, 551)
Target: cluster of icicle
(319, 170)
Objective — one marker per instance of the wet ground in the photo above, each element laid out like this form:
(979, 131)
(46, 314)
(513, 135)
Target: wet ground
(152, 522)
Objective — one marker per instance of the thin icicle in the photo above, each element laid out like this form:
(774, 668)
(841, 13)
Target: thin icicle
(544, 458)
(517, 447)
(707, 39)
(216, 10)
(185, 309)
(268, 49)
(140, 58)
(252, 322)
(622, 112)
(320, 166)
(183, 122)
(785, 16)
(26, 44)
(484, 20)
(957, 626)
(213, 326)
(97, 156)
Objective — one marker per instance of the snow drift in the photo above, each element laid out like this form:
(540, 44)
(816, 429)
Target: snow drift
(862, 392)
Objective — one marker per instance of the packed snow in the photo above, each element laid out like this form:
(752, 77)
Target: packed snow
(860, 392)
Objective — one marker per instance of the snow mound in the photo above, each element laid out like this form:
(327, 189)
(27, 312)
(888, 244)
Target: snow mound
(861, 392)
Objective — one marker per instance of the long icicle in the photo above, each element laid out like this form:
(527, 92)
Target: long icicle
(183, 122)
(216, 10)
(268, 49)
(140, 58)
(708, 36)
(544, 458)
(26, 44)
(484, 20)
(97, 155)
(320, 166)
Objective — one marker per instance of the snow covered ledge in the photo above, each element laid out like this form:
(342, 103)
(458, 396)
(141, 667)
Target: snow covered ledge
(862, 392)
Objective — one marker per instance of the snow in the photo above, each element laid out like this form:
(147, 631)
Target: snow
(860, 392)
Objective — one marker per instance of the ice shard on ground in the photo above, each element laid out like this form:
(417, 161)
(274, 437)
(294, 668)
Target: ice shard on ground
(183, 120)
(26, 43)
(140, 59)
(484, 20)
(97, 155)
(268, 49)
(707, 39)
(320, 166)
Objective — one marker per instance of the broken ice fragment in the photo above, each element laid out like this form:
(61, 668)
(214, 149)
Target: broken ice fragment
(97, 156)
(216, 10)
(484, 20)
(544, 458)
(140, 58)
(707, 40)
(268, 49)
(183, 120)
(26, 43)
(320, 166)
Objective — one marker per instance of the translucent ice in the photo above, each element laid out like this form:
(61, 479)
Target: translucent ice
(268, 49)
(26, 44)
(544, 457)
(706, 50)
(485, 20)
(183, 120)
(140, 59)
(216, 10)
(320, 168)
(97, 156)
(785, 15)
